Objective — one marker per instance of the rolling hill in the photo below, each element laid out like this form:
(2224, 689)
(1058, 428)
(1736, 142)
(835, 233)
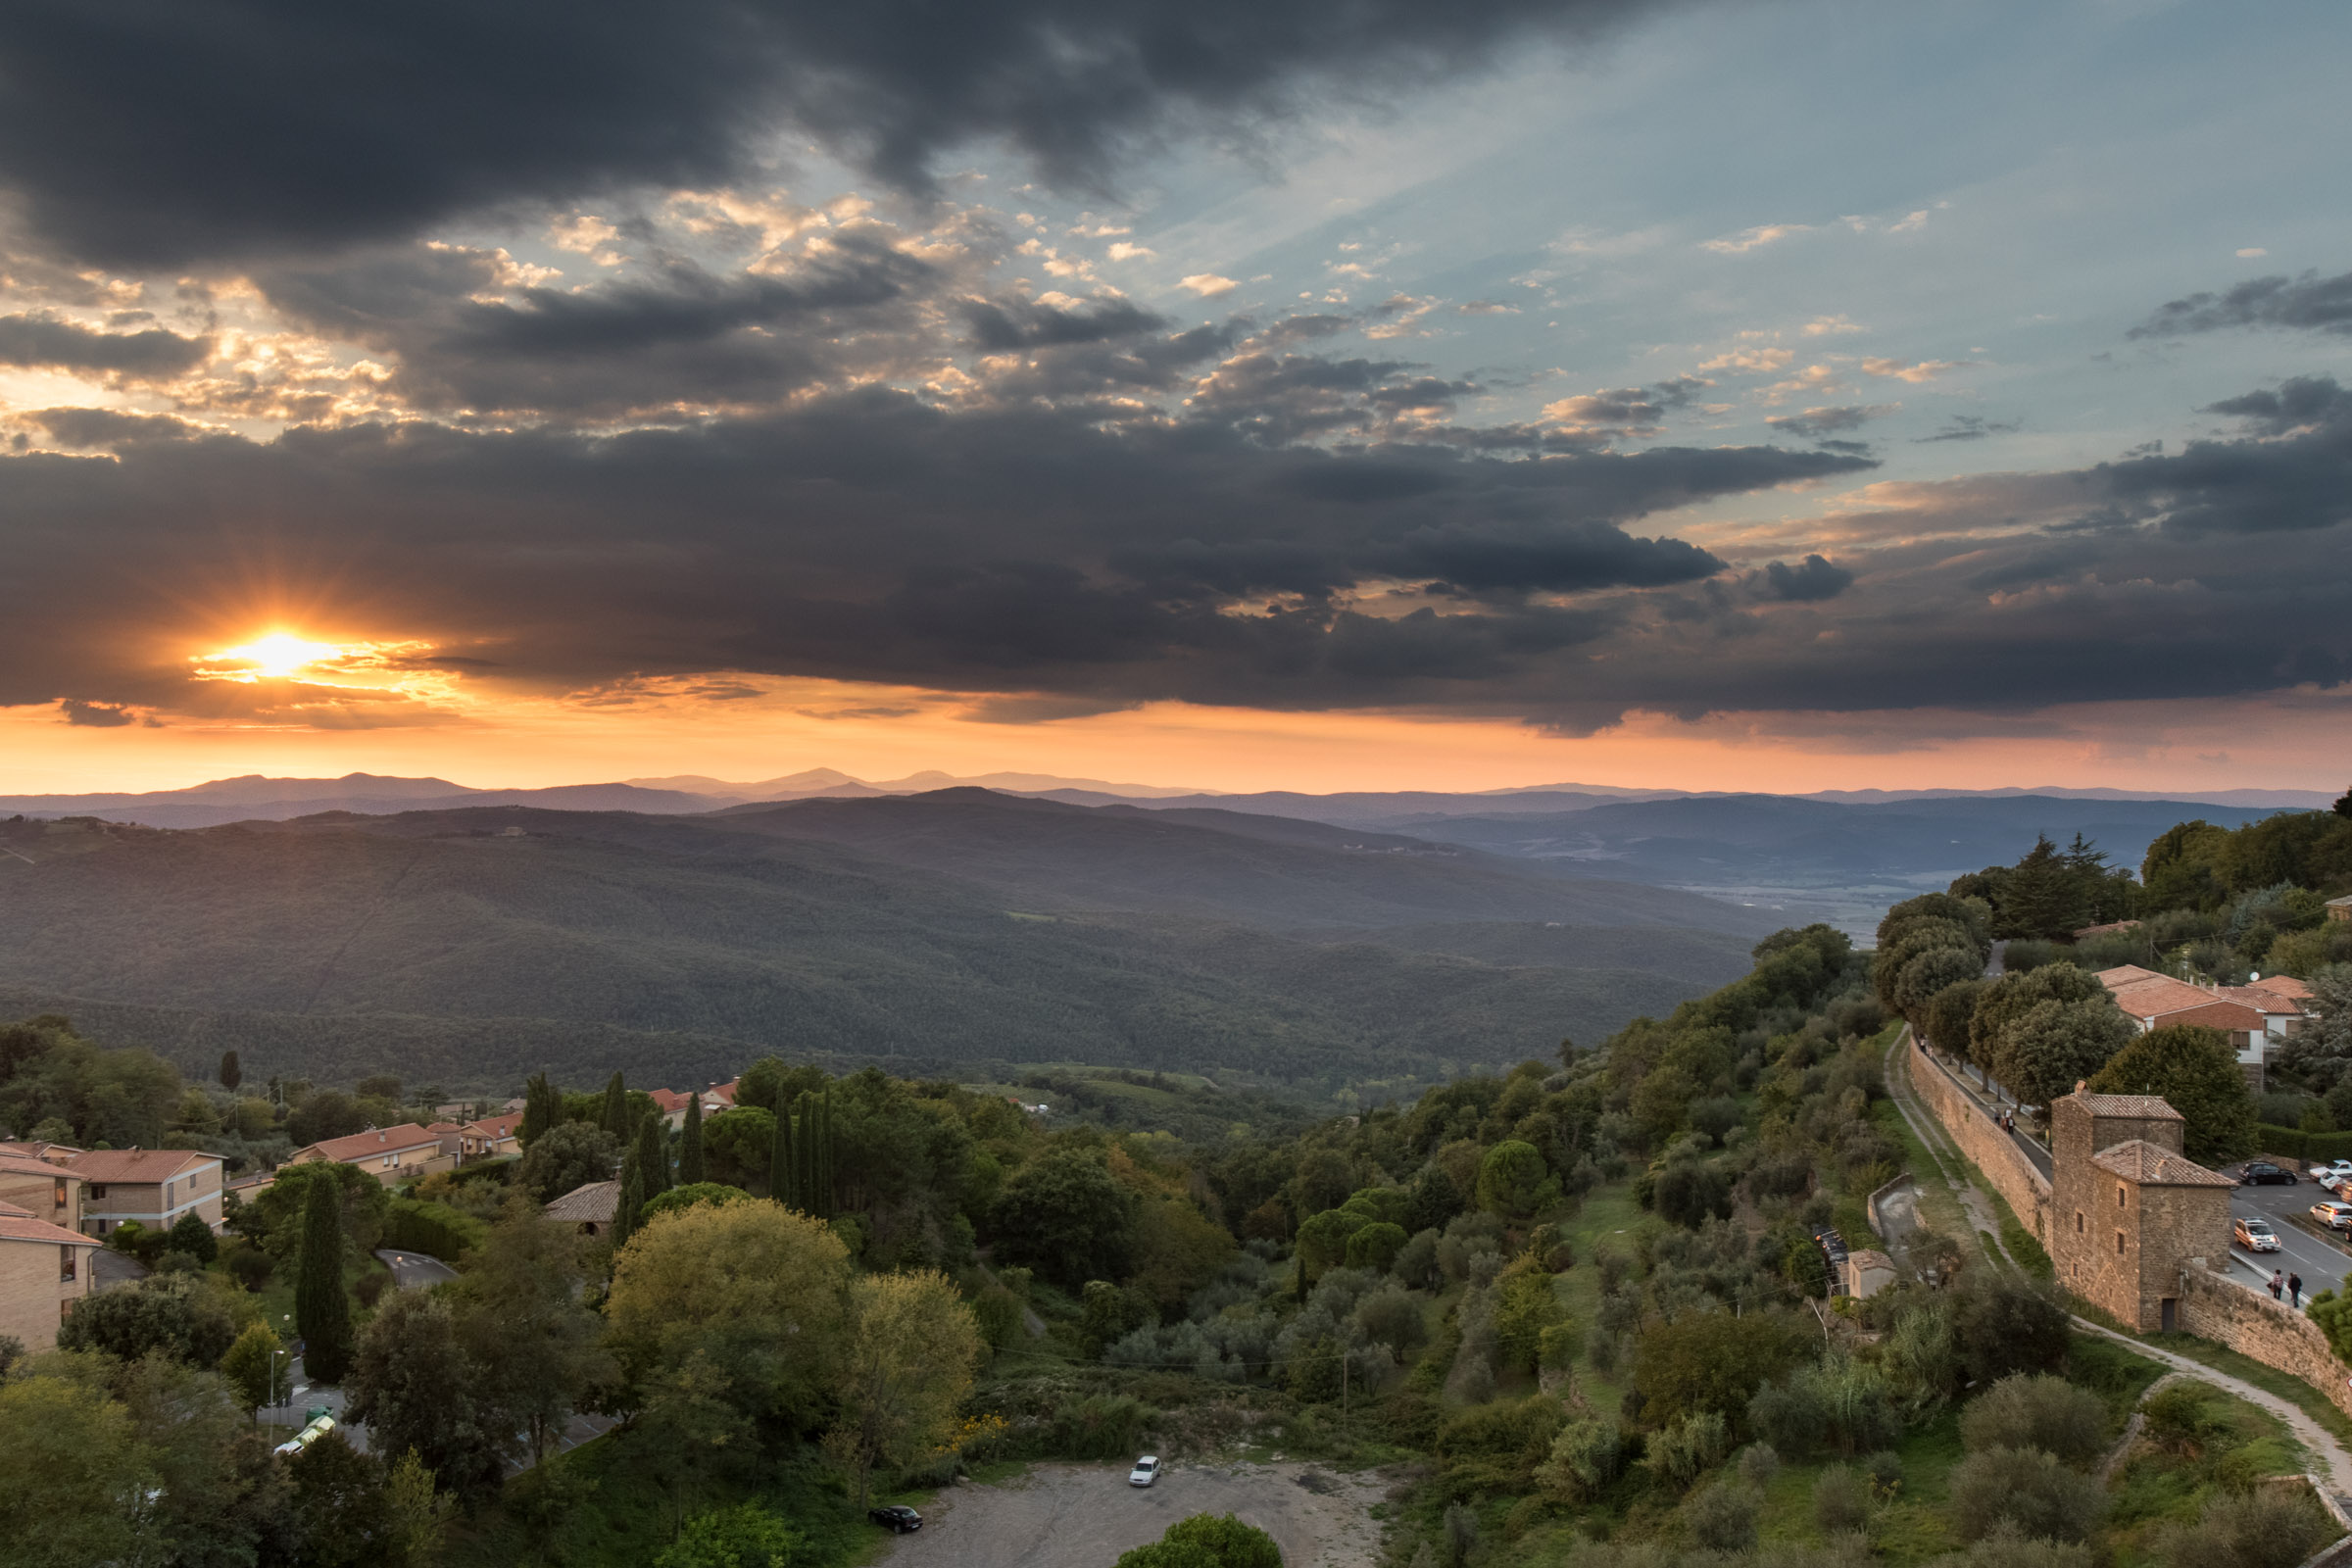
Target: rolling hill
(949, 933)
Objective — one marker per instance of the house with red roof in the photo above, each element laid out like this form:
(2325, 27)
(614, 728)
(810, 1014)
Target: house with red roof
(44, 1271)
(387, 1153)
(153, 1186)
(45, 1191)
(2253, 1017)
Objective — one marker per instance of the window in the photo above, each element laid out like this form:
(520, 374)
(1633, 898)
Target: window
(65, 1260)
(2078, 1222)
(2119, 1194)
(97, 1189)
(2119, 1244)
(59, 1196)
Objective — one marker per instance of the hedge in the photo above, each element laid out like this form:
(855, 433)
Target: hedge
(433, 1229)
(2296, 1144)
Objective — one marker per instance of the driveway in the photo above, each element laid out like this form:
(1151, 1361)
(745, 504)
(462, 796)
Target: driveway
(2323, 1264)
(111, 1270)
(1083, 1516)
(414, 1272)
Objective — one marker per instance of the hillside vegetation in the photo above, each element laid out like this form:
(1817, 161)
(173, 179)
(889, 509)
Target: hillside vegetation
(962, 935)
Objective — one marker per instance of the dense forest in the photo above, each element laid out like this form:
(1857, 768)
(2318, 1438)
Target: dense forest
(1579, 1310)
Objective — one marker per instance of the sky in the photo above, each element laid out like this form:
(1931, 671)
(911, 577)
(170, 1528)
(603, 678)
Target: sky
(1785, 396)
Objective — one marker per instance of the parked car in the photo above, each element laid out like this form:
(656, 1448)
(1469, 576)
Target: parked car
(896, 1517)
(2335, 1216)
(2328, 1172)
(2262, 1173)
(2333, 1182)
(2255, 1235)
(1145, 1471)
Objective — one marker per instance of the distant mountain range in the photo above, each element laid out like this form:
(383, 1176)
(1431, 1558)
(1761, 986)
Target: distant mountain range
(254, 797)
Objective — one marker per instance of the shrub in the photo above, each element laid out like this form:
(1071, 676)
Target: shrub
(1838, 1404)
(189, 1233)
(2006, 1549)
(2026, 1489)
(433, 1229)
(2037, 1412)
(1416, 1262)
(1689, 1448)
(1722, 1517)
(1585, 1457)
(2004, 1326)
(2268, 1531)
(369, 1287)
(1841, 1500)
(1758, 1464)
(2181, 1418)
(1376, 1246)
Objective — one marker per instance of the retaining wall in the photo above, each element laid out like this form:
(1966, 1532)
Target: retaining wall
(1993, 1151)
(2216, 1307)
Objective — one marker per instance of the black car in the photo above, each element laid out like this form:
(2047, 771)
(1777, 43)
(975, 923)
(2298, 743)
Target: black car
(897, 1516)
(2262, 1173)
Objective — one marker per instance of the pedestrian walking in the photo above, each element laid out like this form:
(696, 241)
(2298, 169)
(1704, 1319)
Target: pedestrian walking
(2277, 1282)
(2294, 1290)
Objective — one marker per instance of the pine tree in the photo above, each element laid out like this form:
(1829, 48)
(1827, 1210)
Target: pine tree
(690, 1144)
(541, 1110)
(321, 1309)
(231, 1074)
(616, 1108)
(781, 1173)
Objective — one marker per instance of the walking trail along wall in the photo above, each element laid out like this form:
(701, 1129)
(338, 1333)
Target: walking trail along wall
(1993, 1152)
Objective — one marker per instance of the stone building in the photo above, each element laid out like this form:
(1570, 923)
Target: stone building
(2128, 1211)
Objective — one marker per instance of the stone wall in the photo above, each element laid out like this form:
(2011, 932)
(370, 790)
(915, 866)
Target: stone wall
(2216, 1307)
(1993, 1151)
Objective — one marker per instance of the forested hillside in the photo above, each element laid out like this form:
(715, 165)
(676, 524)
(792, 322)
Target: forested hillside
(473, 947)
(1576, 1310)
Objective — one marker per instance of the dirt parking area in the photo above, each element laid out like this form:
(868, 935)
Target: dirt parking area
(1083, 1516)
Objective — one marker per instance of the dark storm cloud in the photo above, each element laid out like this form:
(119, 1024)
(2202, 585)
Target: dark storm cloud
(464, 336)
(2297, 476)
(1809, 581)
(2311, 303)
(43, 342)
(167, 132)
(1027, 324)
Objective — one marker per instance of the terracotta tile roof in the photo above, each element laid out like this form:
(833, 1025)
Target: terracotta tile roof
(2158, 998)
(375, 1141)
(2143, 1106)
(2122, 974)
(496, 1126)
(669, 1101)
(444, 1127)
(54, 1153)
(596, 1202)
(2143, 1162)
(2287, 985)
(24, 1165)
(2259, 998)
(138, 1164)
(15, 1225)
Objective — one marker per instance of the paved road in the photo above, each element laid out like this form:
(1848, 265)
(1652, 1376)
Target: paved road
(111, 1270)
(2323, 1264)
(414, 1272)
(1082, 1516)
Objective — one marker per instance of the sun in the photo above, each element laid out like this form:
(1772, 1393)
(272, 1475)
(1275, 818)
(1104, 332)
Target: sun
(275, 656)
(280, 653)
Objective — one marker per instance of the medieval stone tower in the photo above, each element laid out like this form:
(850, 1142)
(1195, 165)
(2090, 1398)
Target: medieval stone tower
(2128, 1210)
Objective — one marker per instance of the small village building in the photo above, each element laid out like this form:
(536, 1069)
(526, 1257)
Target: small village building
(2340, 908)
(152, 1186)
(589, 1208)
(387, 1153)
(1866, 1273)
(2130, 1211)
(44, 1271)
(43, 1190)
(2252, 1020)
(490, 1137)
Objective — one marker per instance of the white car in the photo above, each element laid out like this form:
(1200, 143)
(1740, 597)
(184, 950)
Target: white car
(2332, 1173)
(1145, 1471)
(2335, 1216)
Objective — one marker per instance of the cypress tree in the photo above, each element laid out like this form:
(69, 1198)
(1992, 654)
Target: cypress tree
(616, 1108)
(780, 1171)
(652, 1155)
(690, 1144)
(540, 1110)
(321, 1311)
(832, 1195)
(631, 1199)
(231, 1074)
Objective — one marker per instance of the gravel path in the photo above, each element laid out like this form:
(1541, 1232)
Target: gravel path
(1083, 1516)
